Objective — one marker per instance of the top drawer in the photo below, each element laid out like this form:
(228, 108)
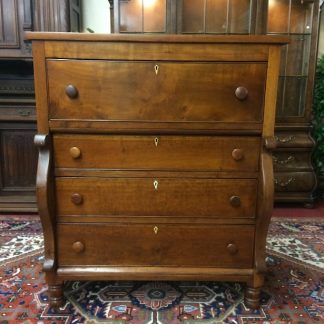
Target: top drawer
(156, 91)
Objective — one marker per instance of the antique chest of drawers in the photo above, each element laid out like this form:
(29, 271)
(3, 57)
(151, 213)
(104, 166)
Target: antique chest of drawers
(155, 156)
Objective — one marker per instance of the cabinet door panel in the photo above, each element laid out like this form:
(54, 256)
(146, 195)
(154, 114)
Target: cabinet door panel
(239, 16)
(278, 14)
(154, 16)
(18, 159)
(301, 17)
(8, 24)
(298, 55)
(131, 16)
(193, 16)
(216, 16)
(295, 92)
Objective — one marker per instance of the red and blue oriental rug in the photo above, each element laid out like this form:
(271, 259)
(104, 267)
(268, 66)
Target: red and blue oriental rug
(293, 292)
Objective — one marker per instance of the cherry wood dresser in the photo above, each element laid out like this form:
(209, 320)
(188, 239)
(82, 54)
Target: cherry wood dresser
(155, 156)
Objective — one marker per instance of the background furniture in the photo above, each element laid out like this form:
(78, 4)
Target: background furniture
(17, 104)
(295, 179)
(121, 192)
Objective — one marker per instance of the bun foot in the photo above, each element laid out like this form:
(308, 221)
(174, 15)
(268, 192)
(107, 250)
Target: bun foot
(252, 297)
(56, 297)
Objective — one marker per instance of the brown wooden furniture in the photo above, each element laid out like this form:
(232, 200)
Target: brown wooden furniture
(295, 179)
(18, 156)
(142, 173)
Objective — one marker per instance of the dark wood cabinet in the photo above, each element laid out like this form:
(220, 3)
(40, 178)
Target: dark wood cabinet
(18, 167)
(15, 19)
(18, 160)
(295, 179)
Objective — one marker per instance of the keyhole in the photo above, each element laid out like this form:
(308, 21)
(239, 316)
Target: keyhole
(156, 68)
(156, 141)
(155, 184)
(155, 229)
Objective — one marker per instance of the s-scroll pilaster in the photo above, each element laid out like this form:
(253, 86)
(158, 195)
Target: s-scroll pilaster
(265, 202)
(45, 198)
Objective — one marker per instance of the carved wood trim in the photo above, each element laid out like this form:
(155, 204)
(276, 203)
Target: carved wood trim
(264, 209)
(45, 198)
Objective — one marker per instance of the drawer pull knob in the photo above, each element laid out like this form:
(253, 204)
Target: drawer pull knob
(235, 201)
(232, 248)
(71, 91)
(75, 152)
(238, 154)
(155, 230)
(156, 141)
(78, 247)
(241, 93)
(77, 199)
(155, 184)
(156, 69)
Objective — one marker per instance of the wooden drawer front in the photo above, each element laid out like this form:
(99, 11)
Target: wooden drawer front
(156, 197)
(292, 161)
(294, 139)
(173, 245)
(154, 91)
(25, 113)
(294, 181)
(153, 153)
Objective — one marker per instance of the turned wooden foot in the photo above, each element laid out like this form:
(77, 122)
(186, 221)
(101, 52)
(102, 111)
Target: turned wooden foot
(56, 296)
(252, 297)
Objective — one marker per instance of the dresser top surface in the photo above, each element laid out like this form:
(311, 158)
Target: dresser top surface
(252, 39)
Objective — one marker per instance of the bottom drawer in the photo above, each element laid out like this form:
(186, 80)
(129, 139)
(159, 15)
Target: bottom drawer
(163, 245)
(294, 181)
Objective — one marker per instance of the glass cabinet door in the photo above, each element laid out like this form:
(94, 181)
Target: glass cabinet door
(186, 16)
(214, 16)
(142, 16)
(293, 18)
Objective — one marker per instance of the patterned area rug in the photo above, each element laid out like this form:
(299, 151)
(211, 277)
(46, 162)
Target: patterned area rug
(293, 292)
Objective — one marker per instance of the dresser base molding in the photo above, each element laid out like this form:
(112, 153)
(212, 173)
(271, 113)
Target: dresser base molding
(303, 198)
(252, 296)
(153, 273)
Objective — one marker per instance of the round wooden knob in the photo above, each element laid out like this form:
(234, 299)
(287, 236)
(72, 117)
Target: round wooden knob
(77, 199)
(235, 201)
(78, 247)
(71, 91)
(75, 152)
(241, 93)
(238, 154)
(232, 248)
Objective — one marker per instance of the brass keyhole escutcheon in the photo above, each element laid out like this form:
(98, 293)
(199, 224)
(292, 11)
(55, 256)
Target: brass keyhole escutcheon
(156, 69)
(155, 229)
(155, 184)
(156, 141)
